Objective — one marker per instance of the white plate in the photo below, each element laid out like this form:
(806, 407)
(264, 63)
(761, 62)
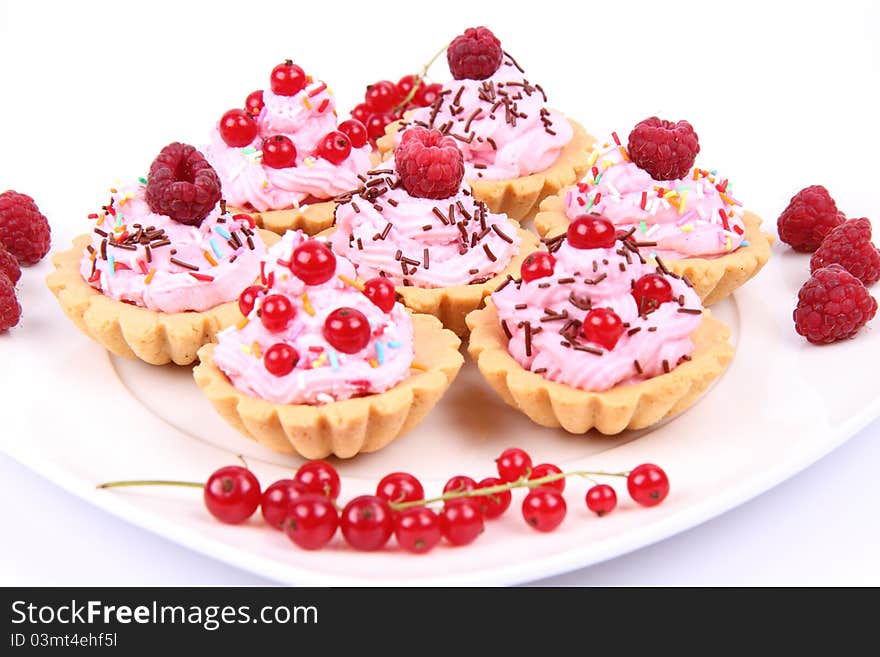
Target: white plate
(81, 418)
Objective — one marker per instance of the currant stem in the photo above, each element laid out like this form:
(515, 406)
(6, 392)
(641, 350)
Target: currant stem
(150, 482)
(419, 79)
(522, 482)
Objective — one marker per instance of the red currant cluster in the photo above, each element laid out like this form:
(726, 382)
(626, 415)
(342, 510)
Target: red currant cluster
(238, 127)
(305, 506)
(346, 329)
(601, 326)
(385, 102)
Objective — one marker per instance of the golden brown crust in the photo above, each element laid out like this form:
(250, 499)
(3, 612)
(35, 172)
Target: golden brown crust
(344, 428)
(311, 219)
(131, 331)
(632, 406)
(713, 278)
(519, 198)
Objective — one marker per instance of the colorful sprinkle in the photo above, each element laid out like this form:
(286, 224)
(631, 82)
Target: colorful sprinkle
(744, 243)
(380, 352)
(149, 277)
(334, 359)
(307, 304)
(222, 232)
(209, 258)
(216, 248)
(256, 349)
(374, 362)
(111, 260)
(348, 281)
(244, 322)
(394, 344)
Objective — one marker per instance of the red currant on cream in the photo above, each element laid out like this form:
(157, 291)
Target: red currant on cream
(347, 330)
(513, 464)
(367, 522)
(277, 498)
(279, 152)
(335, 147)
(280, 359)
(319, 477)
(648, 484)
(591, 232)
(417, 529)
(461, 521)
(287, 79)
(381, 292)
(602, 326)
(311, 521)
(237, 128)
(254, 102)
(361, 113)
(538, 264)
(232, 494)
(313, 262)
(544, 509)
(248, 298)
(381, 96)
(494, 504)
(376, 124)
(650, 291)
(399, 487)
(545, 469)
(276, 312)
(601, 499)
(356, 132)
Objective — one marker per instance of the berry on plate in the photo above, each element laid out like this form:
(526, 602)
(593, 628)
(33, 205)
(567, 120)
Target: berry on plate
(832, 305)
(810, 216)
(850, 246)
(10, 310)
(664, 149)
(9, 266)
(24, 231)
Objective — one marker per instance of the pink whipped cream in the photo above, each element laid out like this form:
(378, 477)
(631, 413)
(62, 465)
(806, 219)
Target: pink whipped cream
(305, 118)
(543, 316)
(322, 374)
(152, 261)
(412, 241)
(502, 124)
(696, 216)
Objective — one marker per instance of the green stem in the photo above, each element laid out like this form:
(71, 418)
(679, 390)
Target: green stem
(150, 482)
(419, 79)
(522, 482)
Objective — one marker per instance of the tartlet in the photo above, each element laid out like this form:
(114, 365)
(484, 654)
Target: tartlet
(323, 396)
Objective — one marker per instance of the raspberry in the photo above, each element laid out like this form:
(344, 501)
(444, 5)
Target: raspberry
(474, 55)
(832, 305)
(182, 185)
(664, 149)
(810, 216)
(429, 164)
(24, 231)
(10, 310)
(9, 266)
(850, 246)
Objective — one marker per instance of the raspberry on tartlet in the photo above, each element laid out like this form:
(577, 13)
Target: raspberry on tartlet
(664, 149)
(429, 164)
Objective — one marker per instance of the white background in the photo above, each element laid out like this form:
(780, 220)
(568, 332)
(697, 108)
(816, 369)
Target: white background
(781, 96)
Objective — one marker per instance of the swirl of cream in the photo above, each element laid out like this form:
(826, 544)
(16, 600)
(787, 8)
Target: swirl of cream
(154, 262)
(544, 322)
(695, 216)
(322, 374)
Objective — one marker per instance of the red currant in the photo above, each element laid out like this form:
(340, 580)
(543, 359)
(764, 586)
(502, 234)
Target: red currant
(591, 232)
(513, 464)
(313, 262)
(461, 521)
(417, 529)
(602, 326)
(311, 521)
(361, 113)
(381, 96)
(319, 477)
(648, 484)
(232, 494)
(280, 359)
(367, 522)
(427, 94)
(248, 298)
(356, 132)
(399, 487)
(459, 484)
(545, 469)
(347, 330)
(601, 499)
(544, 509)
(376, 124)
(381, 292)
(254, 102)
(335, 147)
(276, 312)
(237, 128)
(494, 504)
(650, 291)
(287, 79)
(404, 86)
(279, 152)
(537, 265)
(277, 499)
